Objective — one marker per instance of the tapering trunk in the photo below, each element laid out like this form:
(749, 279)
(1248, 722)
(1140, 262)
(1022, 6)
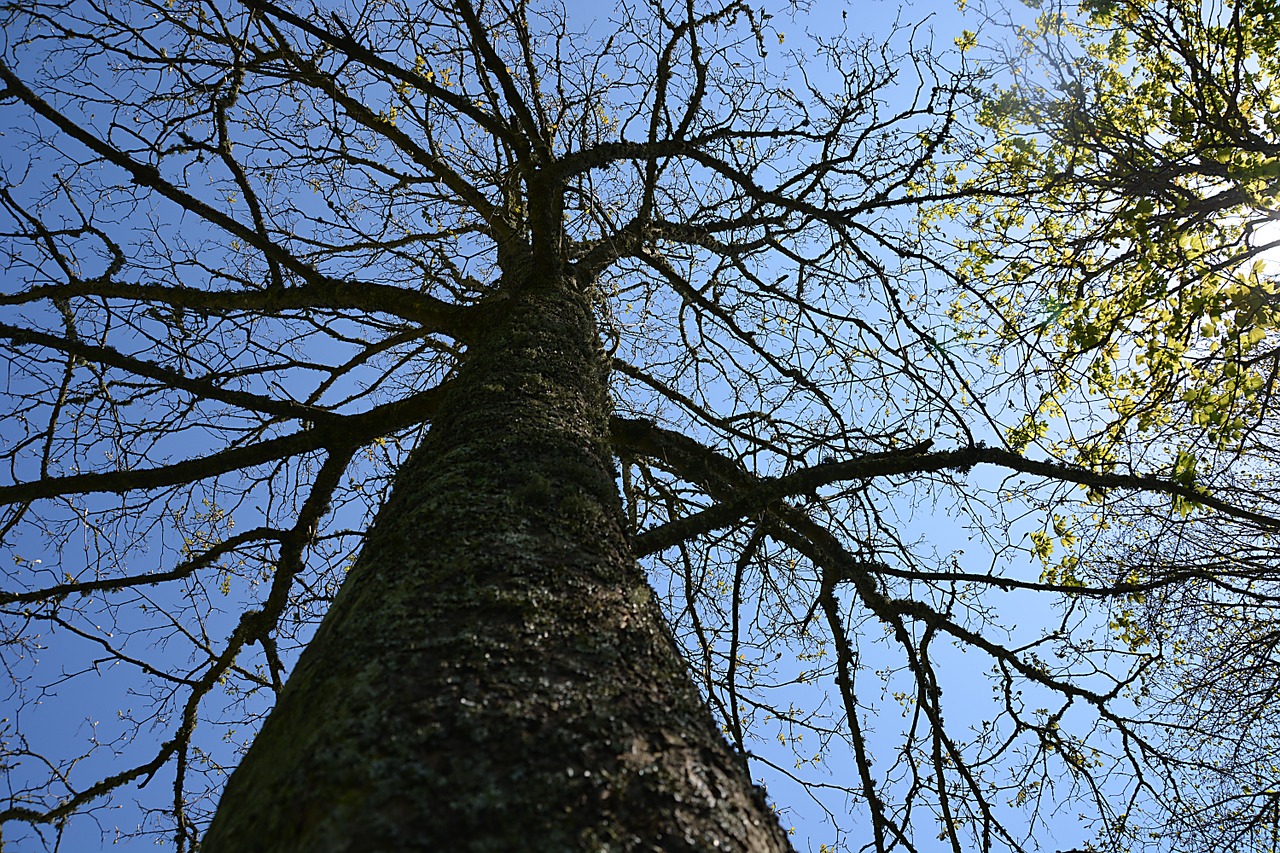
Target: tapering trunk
(495, 674)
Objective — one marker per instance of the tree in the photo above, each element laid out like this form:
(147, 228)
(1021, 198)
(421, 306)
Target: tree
(536, 305)
(1137, 168)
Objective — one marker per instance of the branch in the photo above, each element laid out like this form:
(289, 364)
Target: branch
(148, 176)
(749, 495)
(199, 387)
(341, 431)
(183, 569)
(320, 292)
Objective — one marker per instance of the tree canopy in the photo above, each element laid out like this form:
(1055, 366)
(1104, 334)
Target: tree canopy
(940, 382)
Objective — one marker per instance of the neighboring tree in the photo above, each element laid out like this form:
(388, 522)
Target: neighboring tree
(1133, 260)
(357, 353)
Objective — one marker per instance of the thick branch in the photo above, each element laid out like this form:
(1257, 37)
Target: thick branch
(207, 388)
(341, 431)
(753, 495)
(320, 292)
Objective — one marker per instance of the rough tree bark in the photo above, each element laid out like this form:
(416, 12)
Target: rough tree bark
(495, 673)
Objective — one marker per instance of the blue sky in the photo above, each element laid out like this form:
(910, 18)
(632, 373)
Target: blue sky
(102, 701)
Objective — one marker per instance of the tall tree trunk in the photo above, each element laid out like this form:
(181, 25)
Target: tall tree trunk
(495, 673)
